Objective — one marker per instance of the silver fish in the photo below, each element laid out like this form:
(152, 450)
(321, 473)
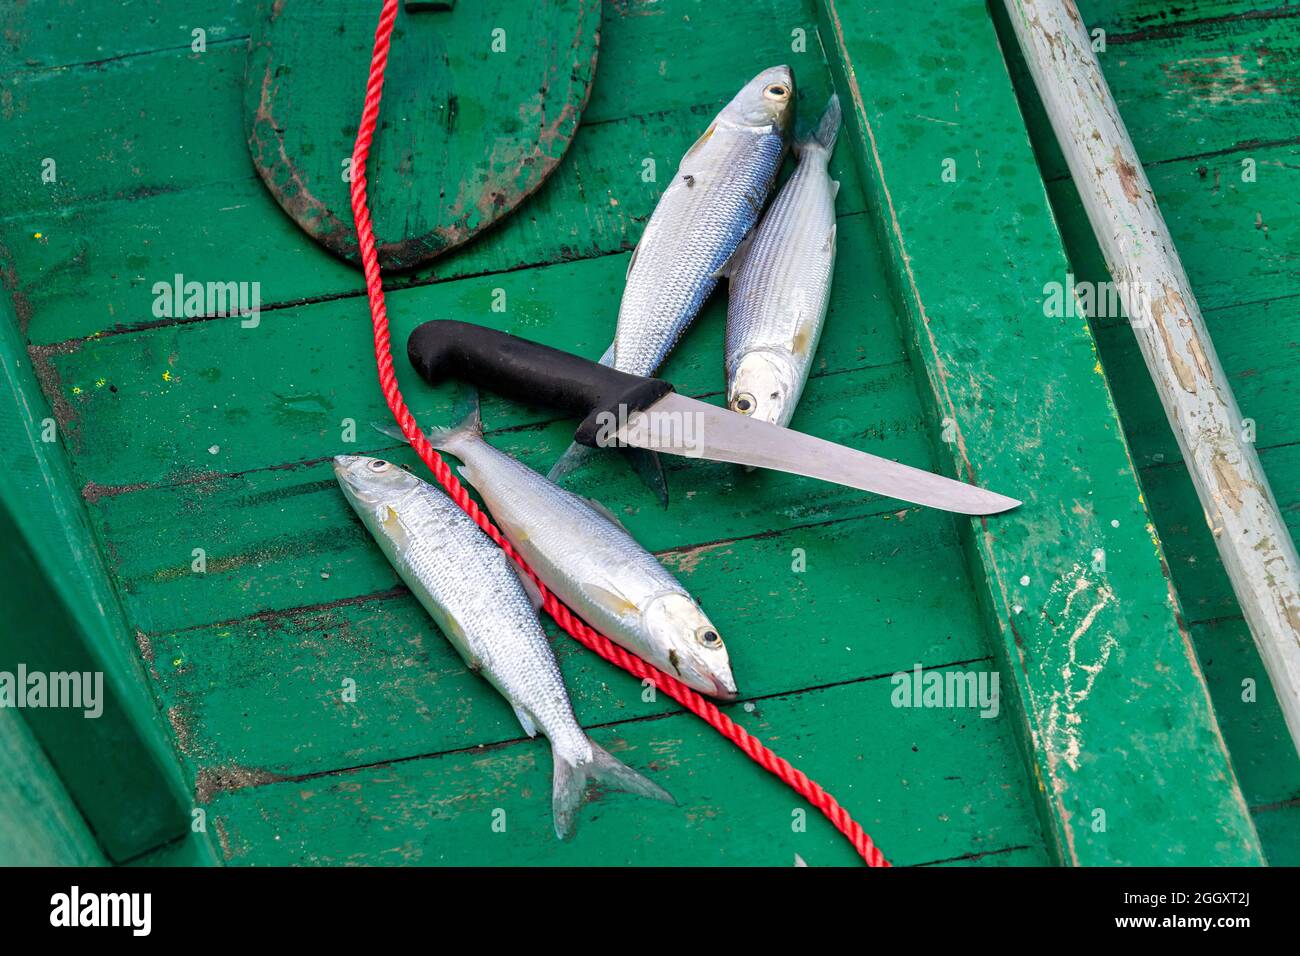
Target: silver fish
(781, 286)
(477, 597)
(713, 201)
(593, 565)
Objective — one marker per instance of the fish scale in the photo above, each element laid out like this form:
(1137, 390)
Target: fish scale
(780, 287)
(713, 202)
(495, 625)
(589, 560)
(472, 590)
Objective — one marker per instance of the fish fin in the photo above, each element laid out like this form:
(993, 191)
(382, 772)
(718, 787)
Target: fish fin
(574, 457)
(615, 604)
(835, 189)
(704, 138)
(644, 462)
(631, 262)
(829, 244)
(607, 359)
(828, 128)
(569, 791)
(388, 428)
(737, 258)
(650, 469)
(456, 636)
(393, 527)
(470, 425)
(525, 721)
(604, 512)
(530, 588)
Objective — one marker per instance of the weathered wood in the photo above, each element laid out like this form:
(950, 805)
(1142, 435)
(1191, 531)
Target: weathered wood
(34, 37)
(250, 697)
(39, 823)
(61, 615)
(1228, 208)
(276, 529)
(1253, 540)
(440, 810)
(1088, 643)
(265, 694)
(480, 104)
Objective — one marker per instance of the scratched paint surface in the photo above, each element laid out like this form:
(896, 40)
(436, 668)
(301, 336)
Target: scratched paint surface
(188, 434)
(1073, 582)
(1207, 92)
(202, 433)
(480, 105)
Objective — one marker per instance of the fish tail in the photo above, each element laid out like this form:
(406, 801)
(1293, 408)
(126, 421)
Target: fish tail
(469, 427)
(828, 128)
(570, 788)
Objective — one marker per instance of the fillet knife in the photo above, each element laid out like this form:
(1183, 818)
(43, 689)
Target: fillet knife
(620, 409)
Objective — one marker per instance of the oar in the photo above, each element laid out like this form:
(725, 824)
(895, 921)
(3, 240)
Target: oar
(1252, 538)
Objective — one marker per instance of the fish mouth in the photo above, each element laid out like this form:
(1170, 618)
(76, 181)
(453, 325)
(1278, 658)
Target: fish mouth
(343, 466)
(724, 690)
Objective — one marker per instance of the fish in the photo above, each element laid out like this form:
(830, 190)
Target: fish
(711, 204)
(479, 600)
(780, 287)
(583, 554)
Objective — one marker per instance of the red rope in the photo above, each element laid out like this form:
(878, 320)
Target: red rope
(674, 688)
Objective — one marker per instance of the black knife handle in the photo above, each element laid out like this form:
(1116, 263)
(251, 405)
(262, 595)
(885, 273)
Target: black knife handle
(530, 372)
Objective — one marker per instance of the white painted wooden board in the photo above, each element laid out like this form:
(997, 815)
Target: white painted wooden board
(1252, 538)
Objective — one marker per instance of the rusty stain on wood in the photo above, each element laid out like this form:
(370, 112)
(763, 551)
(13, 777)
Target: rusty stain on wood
(523, 111)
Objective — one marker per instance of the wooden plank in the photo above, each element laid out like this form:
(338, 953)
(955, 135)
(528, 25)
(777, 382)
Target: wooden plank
(172, 394)
(1084, 646)
(265, 694)
(94, 266)
(731, 536)
(61, 616)
(1233, 236)
(439, 810)
(1187, 539)
(1133, 23)
(1211, 85)
(190, 132)
(1260, 358)
(1262, 755)
(39, 823)
(255, 527)
(119, 30)
(1253, 542)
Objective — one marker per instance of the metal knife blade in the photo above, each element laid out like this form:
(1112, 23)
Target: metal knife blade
(686, 426)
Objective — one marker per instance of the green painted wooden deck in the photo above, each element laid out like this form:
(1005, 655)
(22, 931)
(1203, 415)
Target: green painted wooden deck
(1208, 90)
(186, 434)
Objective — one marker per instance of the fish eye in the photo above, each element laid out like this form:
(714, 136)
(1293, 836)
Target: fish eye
(709, 637)
(378, 466)
(743, 403)
(776, 91)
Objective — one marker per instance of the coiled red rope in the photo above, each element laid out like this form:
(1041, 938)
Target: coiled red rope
(688, 698)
